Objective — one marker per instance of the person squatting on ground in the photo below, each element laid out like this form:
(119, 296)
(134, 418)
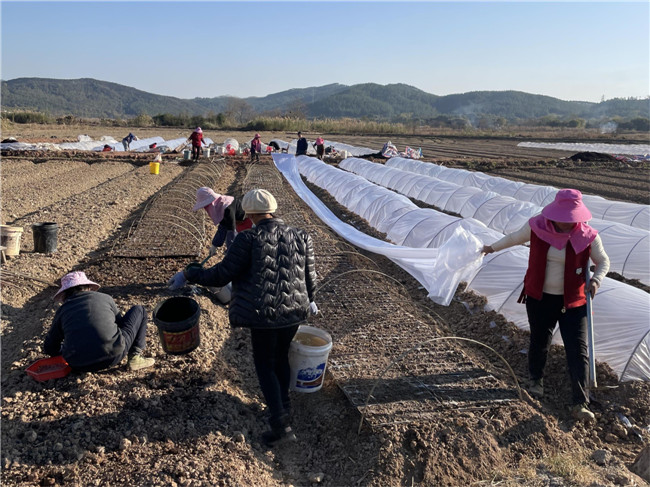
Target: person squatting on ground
(273, 276)
(301, 145)
(256, 148)
(126, 141)
(197, 141)
(319, 145)
(561, 244)
(91, 333)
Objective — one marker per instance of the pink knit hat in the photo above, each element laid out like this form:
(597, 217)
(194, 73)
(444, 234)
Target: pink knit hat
(198, 130)
(204, 196)
(74, 279)
(567, 208)
(257, 136)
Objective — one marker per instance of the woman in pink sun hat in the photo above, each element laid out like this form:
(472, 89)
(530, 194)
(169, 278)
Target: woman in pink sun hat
(561, 244)
(226, 212)
(91, 333)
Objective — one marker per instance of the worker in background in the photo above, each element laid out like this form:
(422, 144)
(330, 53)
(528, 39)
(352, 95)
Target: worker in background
(273, 276)
(256, 148)
(91, 333)
(301, 146)
(107, 148)
(126, 141)
(319, 145)
(197, 141)
(561, 244)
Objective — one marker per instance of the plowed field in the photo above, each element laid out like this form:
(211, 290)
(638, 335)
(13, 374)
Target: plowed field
(195, 419)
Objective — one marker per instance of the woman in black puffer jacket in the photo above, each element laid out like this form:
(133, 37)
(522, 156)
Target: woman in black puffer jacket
(271, 267)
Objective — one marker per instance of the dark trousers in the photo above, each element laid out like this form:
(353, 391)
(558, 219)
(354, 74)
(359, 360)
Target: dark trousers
(271, 357)
(133, 326)
(255, 156)
(196, 152)
(542, 316)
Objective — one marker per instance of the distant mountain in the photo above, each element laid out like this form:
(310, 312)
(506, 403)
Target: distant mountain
(91, 98)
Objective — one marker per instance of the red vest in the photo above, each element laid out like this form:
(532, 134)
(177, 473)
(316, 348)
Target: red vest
(574, 272)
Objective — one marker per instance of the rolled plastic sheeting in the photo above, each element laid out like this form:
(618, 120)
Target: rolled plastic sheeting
(627, 247)
(632, 214)
(621, 339)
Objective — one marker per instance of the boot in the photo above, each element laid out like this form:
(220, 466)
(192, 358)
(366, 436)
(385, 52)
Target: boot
(274, 437)
(137, 362)
(280, 432)
(536, 388)
(581, 412)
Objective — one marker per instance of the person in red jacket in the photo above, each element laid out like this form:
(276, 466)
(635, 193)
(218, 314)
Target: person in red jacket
(197, 141)
(561, 244)
(256, 148)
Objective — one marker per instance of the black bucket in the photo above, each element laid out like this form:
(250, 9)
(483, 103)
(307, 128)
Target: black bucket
(45, 237)
(177, 320)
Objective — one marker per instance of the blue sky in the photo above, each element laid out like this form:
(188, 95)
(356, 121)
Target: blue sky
(573, 51)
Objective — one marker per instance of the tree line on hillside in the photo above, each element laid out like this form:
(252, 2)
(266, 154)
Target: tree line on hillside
(369, 102)
(244, 120)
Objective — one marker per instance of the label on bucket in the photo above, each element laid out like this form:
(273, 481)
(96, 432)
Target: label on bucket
(310, 377)
(182, 341)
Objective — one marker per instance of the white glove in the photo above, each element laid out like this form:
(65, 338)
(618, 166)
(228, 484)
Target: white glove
(213, 250)
(313, 309)
(177, 281)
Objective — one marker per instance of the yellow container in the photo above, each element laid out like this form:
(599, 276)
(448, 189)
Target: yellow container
(154, 167)
(10, 238)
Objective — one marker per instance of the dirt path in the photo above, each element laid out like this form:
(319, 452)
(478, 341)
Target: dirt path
(195, 419)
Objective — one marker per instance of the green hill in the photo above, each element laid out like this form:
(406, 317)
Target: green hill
(90, 98)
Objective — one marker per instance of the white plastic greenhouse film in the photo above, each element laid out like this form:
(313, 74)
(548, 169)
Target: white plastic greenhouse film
(500, 279)
(440, 276)
(632, 214)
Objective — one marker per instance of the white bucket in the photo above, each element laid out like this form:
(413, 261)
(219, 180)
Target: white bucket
(308, 354)
(186, 154)
(207, 152)
(221, 150)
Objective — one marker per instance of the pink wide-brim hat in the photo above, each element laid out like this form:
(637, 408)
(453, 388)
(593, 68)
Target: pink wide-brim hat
(567, 208)
(74, 279)
(204, 196)
(257, 136)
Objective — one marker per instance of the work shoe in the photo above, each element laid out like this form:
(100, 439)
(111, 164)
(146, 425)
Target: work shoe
(581, 412)
(536, 388)
(275, 437)
(137, 362)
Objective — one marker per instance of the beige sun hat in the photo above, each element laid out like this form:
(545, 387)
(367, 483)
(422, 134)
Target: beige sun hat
(259, 201)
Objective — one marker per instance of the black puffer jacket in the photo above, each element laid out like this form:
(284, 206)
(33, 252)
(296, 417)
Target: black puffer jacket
(271, 267)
